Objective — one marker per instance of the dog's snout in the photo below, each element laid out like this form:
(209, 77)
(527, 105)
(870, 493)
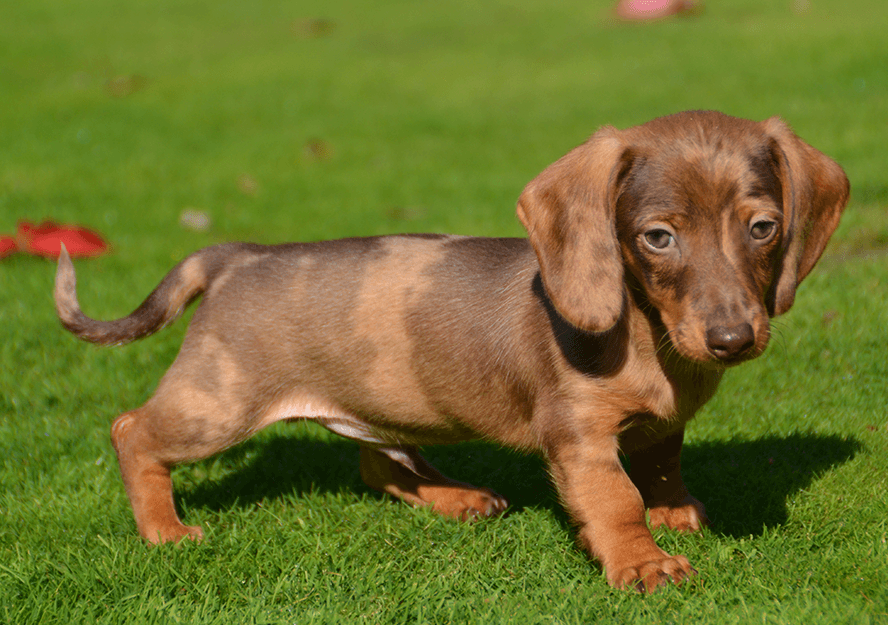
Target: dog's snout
(728, 343)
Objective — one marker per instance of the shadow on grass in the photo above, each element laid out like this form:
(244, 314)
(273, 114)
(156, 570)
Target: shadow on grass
(744, 484)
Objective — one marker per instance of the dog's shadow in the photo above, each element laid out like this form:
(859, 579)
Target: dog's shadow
(745, 485)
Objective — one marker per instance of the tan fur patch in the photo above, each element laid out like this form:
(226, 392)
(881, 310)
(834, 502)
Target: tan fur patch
(393, 284)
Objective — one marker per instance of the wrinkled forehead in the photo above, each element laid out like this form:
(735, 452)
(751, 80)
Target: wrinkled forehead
(698, 173)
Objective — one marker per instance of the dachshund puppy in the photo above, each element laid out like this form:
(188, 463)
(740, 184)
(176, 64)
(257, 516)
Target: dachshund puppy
(656, 257)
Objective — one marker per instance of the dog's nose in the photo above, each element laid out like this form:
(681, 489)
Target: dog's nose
(729, 343)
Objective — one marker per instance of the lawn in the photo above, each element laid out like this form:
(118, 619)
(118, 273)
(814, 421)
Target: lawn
(304, 121)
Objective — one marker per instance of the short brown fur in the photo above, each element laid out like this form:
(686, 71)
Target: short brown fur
(656, 257)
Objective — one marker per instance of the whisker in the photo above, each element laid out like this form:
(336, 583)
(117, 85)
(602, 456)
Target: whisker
(779, 337)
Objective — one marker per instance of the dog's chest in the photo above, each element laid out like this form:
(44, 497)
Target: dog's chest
(667, 400)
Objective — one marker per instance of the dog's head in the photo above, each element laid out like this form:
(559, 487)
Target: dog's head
(710, 219)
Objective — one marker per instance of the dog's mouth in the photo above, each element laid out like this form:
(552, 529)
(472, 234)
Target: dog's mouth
(724, 363)
(714, 363)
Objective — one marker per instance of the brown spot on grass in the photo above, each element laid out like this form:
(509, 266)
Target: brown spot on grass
(123, 86)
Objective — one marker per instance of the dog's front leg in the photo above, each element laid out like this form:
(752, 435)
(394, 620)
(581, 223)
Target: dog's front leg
(656, 472)
(602, 499)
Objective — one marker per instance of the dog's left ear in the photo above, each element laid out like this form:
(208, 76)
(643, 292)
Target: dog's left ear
(568, 212)
(815, 191)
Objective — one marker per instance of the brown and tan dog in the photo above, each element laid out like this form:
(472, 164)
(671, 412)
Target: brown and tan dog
(656, 257)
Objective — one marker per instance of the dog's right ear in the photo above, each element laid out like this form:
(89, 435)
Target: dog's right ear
(569, 213)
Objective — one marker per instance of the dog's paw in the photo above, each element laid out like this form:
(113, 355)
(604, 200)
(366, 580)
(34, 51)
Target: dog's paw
(648, 576)
(689, 515)
(471, 504)
(174, 534)
(489, 504)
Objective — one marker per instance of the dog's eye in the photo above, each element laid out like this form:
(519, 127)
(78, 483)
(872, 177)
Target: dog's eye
(658, 239)
(762, 230)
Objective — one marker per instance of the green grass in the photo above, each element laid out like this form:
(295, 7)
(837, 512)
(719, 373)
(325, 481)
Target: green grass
(407, 116)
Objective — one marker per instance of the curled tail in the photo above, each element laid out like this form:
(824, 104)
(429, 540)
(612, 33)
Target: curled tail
(180, 287)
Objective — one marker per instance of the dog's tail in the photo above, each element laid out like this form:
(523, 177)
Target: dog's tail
(181, 286)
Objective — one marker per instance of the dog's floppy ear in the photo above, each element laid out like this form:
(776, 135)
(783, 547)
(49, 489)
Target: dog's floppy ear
(568, 211)
(815, 191)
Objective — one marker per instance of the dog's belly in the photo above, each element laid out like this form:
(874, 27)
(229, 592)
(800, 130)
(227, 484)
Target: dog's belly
(377, 430)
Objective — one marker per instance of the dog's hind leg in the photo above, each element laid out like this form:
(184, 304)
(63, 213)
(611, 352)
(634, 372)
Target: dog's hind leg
(147, 480)
(179, 424)
(403, 473)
